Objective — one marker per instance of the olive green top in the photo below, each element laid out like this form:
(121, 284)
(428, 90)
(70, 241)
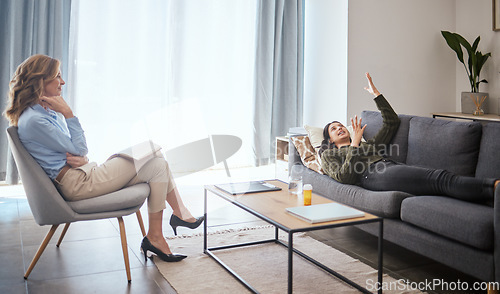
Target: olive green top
(345, 164)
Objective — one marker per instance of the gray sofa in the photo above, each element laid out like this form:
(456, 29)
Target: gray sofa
(462, 235)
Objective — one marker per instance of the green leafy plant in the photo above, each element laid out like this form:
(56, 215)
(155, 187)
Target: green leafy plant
(476, 58)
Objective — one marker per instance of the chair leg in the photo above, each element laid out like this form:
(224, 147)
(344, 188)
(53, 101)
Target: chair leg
(124, 247)
(141, 223)
(40, 250)
(63, 234)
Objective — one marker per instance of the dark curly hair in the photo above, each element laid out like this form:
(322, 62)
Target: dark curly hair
(326, 144)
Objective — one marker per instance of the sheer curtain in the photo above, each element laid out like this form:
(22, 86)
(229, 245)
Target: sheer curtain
(27, 27)
(171, 71)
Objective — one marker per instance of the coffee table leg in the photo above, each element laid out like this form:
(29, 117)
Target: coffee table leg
(290, 263)
(205, 223)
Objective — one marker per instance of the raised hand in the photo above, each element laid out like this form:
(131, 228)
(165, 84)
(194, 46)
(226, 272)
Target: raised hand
(357, 130)
(371, 87)
(58, 104)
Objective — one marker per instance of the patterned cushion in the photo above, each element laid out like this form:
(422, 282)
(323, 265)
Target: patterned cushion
(307, 153)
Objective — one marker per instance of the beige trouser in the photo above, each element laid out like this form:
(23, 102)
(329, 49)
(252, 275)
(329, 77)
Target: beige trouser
(116, 174)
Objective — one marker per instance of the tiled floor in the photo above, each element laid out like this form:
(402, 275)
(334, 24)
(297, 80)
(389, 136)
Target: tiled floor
(90, 259)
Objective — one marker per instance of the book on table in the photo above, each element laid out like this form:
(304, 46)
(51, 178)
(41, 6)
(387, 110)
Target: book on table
(247, 187)
(324, 212)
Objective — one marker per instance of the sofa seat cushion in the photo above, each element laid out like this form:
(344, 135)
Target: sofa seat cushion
(466, 222)
(442, 144)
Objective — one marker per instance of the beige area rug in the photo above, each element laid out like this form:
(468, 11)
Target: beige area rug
(263, 266)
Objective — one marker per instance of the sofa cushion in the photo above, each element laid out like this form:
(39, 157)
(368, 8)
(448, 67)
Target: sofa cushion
(399, 144)
(307, 153)
(466, 222)
(443, 144)
(488, 165)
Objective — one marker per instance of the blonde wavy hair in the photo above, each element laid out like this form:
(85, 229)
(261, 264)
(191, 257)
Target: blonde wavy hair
(27, 84)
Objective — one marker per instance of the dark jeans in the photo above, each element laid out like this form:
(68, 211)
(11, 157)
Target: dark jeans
(387, 175)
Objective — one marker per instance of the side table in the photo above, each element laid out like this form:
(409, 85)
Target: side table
(459, 115)
(281, 159)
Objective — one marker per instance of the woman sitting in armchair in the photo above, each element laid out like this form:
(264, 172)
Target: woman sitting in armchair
(52, 134)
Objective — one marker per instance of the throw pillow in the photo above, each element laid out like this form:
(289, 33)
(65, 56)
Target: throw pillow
(307, 153)
(315, 135)
(458, 155)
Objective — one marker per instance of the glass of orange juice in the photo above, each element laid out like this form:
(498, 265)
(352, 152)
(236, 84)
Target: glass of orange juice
(307, 190)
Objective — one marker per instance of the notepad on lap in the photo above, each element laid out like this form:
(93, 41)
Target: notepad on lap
(140, 154)
(324, 212)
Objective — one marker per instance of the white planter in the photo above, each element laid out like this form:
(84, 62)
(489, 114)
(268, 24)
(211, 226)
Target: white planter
(468, 105)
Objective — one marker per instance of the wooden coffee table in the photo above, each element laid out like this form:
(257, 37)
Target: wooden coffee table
(270, 207)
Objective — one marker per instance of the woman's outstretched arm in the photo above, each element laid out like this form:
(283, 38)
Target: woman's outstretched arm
(390, 118)
(357, 128)
(371, 87)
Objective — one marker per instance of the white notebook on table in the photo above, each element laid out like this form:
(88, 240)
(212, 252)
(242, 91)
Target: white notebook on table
(324, 212)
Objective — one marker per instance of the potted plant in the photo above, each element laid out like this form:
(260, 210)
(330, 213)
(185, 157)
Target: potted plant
(473, 101)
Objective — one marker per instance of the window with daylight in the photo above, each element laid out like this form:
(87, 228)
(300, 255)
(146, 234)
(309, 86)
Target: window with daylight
(170, 71)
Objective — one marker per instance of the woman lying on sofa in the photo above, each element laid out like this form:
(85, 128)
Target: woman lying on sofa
(53, 136)
(351, 161)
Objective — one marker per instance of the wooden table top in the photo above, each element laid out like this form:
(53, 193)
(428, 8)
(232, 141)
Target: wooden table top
(272, 205)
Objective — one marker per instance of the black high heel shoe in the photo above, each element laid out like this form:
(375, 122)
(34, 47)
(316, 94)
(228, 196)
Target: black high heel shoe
(175, 222)
(146, 245)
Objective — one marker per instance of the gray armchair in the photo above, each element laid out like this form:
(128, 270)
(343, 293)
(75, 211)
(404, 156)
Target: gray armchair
(50, 208)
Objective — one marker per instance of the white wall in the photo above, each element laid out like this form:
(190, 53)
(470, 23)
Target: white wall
(325, 64)
(474, 18)
(400, 44)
